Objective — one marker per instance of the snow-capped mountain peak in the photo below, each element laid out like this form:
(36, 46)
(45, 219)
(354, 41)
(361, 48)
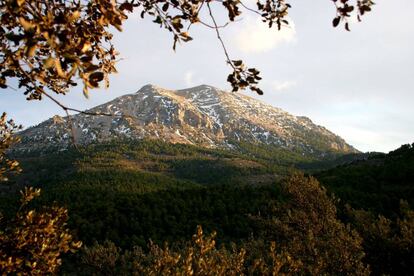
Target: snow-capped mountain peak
(201, 115)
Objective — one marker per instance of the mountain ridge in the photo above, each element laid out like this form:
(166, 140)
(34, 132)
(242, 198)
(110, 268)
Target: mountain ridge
(201, 115)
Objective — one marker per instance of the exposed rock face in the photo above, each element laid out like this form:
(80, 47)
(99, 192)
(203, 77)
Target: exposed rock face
(201, 115)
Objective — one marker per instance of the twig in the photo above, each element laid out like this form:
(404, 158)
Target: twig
(250, 9)
(202, 22)
(214, 27)
(66, 108)
(219, 36)
(11, 87)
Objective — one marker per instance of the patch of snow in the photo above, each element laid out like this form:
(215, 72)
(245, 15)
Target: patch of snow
(123, 129)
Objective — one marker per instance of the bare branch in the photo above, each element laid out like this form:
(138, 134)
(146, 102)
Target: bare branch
(216, 28)
(250, 9)
(66, 108)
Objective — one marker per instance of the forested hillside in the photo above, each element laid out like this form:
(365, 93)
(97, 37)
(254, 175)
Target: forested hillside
(376, 183)
(151, 189)
(123, 194)
(383, 186)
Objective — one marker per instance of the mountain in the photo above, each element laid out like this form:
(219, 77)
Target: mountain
(202, 115)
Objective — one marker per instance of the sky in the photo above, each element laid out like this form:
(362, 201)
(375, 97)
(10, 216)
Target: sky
(358, 84)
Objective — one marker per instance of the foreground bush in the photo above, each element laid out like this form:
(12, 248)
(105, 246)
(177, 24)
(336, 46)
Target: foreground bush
(388, 243)
(199, 257)
(33, 241)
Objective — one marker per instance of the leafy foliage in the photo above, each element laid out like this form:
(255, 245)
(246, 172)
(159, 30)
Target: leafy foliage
(199, 257)
(32, 243)
(344, 10)
(45, 44)
(7, 129)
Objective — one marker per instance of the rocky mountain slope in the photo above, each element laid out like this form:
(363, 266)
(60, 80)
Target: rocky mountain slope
(201, 115)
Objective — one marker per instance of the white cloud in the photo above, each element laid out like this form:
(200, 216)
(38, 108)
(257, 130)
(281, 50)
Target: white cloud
(255, 36)
(191, 79)
(283, 85)
(188, 79)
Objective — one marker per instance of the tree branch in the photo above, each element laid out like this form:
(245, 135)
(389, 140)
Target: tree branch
(66, 108)
(216, 28)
